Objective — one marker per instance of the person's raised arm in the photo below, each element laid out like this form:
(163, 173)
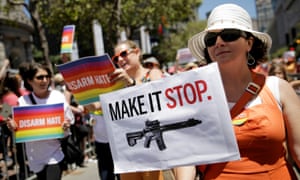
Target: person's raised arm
(185, 173)
(156, 74)
(121, 75)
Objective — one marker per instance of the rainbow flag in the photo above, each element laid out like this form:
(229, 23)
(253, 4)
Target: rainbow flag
(39, 122)
(67, 39)
(87, 78)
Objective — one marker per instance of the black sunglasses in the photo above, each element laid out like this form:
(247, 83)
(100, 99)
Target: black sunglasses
(123, 54)
(41, 77)
(228, 35)
(149, 65)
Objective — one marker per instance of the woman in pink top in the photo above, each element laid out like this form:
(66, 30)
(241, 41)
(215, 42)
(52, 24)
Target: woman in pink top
(10, 92)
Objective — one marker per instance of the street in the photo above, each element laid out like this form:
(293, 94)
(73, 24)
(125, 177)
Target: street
(91, 173)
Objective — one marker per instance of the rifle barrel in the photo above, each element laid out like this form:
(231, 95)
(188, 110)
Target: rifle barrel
(188, 123)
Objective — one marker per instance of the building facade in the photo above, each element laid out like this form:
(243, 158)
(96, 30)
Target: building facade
(286, 23)
(16, 31)
(265, 14)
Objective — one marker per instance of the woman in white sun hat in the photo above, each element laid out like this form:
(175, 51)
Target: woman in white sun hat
(267, 123)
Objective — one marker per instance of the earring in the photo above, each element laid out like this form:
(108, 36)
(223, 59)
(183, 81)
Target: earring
(251, 60)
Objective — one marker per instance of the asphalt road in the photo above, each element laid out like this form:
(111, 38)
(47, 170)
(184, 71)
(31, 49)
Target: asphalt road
(90, 172)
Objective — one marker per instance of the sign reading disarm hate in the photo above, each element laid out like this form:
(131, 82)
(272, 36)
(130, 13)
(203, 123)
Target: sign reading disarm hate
(39, 122)
(178, 120)
(87, 77)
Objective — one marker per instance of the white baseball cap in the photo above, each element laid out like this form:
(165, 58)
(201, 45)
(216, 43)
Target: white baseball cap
(151, 60)
(225, 16)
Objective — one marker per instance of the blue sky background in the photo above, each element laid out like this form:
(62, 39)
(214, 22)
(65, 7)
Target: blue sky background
(208, 5)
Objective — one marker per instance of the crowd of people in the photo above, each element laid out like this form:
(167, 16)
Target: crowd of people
(269, 141)
(280, 68)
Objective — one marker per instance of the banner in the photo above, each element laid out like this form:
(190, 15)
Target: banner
(184, 56)
(39, 122)
(88, 77)
(179, 120)
(67, 39)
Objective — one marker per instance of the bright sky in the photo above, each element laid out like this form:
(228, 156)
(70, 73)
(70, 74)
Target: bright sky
(208, 5)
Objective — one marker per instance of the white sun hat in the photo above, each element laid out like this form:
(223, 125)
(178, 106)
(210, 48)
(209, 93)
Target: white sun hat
(225, 16)
(151, 60)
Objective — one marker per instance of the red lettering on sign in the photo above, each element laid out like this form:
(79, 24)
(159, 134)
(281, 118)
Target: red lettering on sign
(186, 89)
(186, 93)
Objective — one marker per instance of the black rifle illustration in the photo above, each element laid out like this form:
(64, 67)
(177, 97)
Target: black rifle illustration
(153, 131)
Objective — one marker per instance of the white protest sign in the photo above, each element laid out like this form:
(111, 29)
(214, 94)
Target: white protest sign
(184, 56)
(178, 120)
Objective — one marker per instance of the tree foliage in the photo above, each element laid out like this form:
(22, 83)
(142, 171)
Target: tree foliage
(167, 49)
(114, 16)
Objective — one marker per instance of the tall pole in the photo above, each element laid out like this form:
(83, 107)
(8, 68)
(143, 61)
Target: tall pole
(119, 18)
(145, 40)
(98, 38)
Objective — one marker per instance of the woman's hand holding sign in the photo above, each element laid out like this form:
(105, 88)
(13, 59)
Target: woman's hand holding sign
(11, 124)
(121, 75)
(66, 124)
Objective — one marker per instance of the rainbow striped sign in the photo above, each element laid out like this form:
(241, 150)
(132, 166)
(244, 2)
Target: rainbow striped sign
(39, 122)
(87, 78)
(67, 39)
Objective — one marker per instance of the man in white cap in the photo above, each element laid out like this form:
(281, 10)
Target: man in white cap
(151, 62)
(264, 110)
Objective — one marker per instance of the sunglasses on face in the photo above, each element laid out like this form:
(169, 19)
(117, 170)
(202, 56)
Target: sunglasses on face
(41, 77)
(227, 35)
(149, 65)
(123, 54)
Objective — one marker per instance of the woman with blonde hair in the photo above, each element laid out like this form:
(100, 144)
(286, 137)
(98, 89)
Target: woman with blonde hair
(128, 58)
(131, 71)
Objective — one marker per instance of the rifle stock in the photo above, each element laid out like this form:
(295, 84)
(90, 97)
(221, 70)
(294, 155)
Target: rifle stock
(133, 137)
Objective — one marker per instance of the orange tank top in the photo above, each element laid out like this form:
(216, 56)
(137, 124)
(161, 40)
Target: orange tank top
(260, 139)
